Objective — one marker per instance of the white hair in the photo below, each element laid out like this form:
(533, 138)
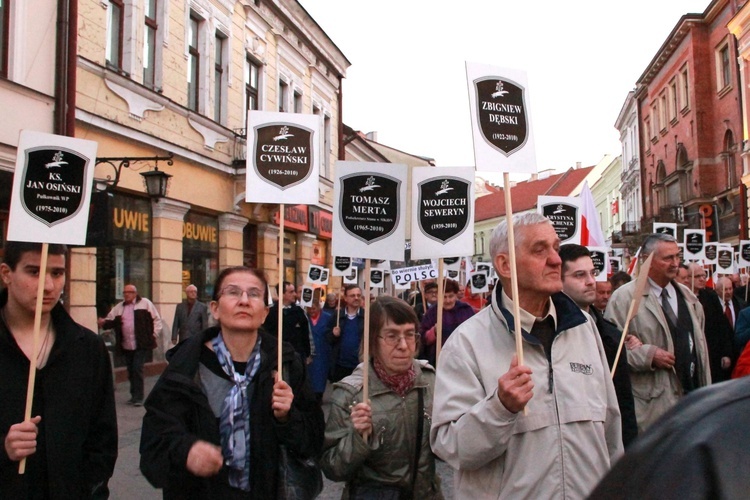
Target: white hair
(499, 238)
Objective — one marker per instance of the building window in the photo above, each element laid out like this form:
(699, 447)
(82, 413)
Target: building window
(252, 85)
(220, 81)
(297, 102)
(116, 19)
(723, 68)
(673, 100)
(663, 111)
(326, 165)
(684, 90)
(4, 39)
(655, 121)
(283, 96)
(149, 44)
(194, 61)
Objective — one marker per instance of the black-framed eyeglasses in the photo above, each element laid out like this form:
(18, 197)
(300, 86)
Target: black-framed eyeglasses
(394, 339)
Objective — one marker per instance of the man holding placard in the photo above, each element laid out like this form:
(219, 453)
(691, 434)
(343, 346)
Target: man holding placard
(673, 359)
(347, 336)
(295, 325)
(479, 422)
(70, 443)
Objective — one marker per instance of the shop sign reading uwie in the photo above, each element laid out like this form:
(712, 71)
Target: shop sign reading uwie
(284, 164)
(51, 189)
(369, 201)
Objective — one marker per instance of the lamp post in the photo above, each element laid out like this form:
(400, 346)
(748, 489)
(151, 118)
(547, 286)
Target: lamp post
(156, 183)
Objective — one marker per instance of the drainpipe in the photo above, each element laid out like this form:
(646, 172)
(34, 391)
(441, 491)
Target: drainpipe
(342, 155)
(65, 67)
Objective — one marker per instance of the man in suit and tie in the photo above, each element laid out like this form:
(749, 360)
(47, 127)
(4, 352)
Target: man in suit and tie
(190, 317)
(673, 359)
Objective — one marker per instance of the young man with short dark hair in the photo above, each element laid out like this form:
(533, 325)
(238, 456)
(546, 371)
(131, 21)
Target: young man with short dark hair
(70, 443)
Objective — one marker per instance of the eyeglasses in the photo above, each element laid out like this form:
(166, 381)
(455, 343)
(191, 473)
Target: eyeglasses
(393, 339)
(235, 293)
(579, 275)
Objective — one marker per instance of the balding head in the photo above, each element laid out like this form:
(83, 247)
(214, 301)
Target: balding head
(724, 288)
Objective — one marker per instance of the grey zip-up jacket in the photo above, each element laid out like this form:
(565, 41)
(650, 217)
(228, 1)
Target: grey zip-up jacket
(572, 432)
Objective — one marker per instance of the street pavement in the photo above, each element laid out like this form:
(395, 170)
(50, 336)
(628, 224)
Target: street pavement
(128, 483)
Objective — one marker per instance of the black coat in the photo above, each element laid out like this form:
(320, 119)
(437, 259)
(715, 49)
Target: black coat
(719, 333)
(296, 327)
(697, 450)
(178, 414)
(610, 336)
(74, 394)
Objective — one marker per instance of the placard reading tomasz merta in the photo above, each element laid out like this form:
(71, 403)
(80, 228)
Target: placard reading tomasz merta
(369, 210)
(282, 158)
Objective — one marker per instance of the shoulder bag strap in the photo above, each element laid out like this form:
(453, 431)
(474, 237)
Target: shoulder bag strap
(418, 448)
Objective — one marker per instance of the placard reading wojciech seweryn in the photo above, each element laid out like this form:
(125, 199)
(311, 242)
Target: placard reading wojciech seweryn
(443, 212)
(283, 158)
(52, 186)
(500, 119)
(565, 214)
(369, 210)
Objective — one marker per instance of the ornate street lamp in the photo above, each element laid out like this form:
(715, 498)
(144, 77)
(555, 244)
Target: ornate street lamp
(156, 183)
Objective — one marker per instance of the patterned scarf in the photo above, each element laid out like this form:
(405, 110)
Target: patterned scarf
(399, 383)
(234, 422)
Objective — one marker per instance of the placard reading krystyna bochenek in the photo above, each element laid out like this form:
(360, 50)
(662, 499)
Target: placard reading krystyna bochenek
(369, 210)
(442, 212)
(500, 119)
(282, 158)
(565, 214)
(51, 189)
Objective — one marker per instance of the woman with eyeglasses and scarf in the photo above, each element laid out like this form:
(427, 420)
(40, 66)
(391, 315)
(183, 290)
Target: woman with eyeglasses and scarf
(381, 447)
(217, 415)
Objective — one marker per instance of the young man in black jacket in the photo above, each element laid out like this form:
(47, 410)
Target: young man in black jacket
(579, 283)
(70, 443)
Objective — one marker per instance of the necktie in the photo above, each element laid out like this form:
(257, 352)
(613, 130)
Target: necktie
(728, 314)
(667, 307)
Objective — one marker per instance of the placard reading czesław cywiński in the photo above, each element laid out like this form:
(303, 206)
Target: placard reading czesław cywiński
(282, 158)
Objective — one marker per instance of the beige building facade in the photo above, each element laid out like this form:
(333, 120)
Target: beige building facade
(157, 78)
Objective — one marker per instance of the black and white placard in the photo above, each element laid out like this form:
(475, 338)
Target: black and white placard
(669, 228)
(500, 119)
(565, 214)
(283, 160)
(695, 240)
(600, 257)
(341, 265)
(725, 259)
(51, 189)
(370, 210)
(407, 275)
(744, 253)
(442, 212)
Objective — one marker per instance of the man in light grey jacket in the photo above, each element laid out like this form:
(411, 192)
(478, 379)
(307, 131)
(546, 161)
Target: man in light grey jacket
(190, 317)
(571, 431)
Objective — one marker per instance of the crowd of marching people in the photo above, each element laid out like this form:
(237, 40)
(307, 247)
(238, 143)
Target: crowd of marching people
(595, 401)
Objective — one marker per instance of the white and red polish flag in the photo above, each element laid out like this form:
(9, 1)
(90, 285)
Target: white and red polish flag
(591, 229)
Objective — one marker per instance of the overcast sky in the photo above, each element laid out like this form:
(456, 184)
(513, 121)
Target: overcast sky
(408, 81)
